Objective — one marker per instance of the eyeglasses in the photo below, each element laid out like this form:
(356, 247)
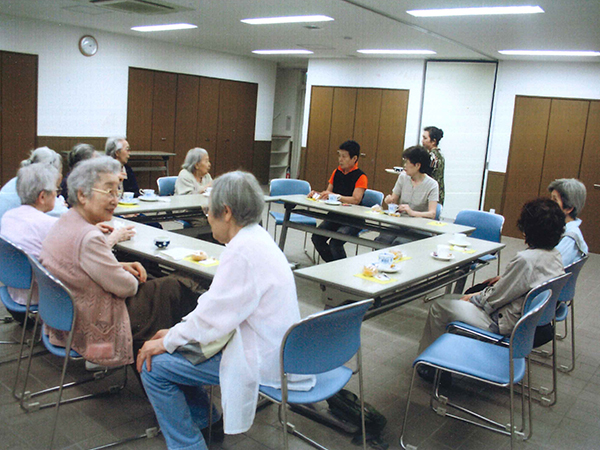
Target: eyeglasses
(113, 194)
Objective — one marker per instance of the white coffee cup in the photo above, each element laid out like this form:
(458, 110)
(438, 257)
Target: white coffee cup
(392, 208)
(147, 192)
(443, 251)
(334, 197)
(460, 238)
(127, 196)
(386, 259)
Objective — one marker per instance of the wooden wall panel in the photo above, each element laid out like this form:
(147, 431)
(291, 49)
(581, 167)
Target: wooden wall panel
(317, 145)
(228, 109)
(186, 118)
(18, 94)
(589, 174)
(390, 143)
(524, 171)
(493, 191)
(366, 130)
(246, 96)
(261, 161)
(342, 124)
(208, 115)
(564, 142)
(139, 109)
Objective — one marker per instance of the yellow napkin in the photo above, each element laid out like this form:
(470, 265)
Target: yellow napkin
(206, 263)
(404, 258)
(124, 205)
(376, 280)
(456, 248)
(435, 223)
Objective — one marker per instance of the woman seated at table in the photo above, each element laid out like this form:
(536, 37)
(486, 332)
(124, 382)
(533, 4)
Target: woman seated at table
(415, 193)
(79, 152)
(194, 177)
(570, 194)
(497, 308)
(117, 309)
(9, 198)
(254, 294)
(28, 225)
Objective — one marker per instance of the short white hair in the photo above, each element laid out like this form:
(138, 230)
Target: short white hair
(113, 145)
(193, 157)
(44, 155)
(35, 178)
(87, 173)
(242, 193)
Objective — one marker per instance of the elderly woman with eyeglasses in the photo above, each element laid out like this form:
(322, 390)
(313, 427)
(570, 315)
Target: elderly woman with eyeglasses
(253, 294)
(117, 307)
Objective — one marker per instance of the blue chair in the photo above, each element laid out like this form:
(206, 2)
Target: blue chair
(493, 364)
(556, 285)
(166, 186)
(288, 186)
(438, 211)
(370, 198)
(488, 226)
(56, 309)
(320, 345)
(566, 301)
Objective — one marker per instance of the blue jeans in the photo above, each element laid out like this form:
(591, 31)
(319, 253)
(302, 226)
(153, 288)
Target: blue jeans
(175, 389)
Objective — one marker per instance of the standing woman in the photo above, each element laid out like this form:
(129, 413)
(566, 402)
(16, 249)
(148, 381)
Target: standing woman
(194, 177)
(431, 139)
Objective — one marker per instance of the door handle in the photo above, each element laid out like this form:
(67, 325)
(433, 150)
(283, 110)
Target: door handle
(597, 186)
(363, 155)
(163, 139)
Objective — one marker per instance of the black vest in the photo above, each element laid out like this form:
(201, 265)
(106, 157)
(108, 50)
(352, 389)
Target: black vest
(345, 184)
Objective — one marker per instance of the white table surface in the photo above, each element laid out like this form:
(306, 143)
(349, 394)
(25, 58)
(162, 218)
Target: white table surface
(169, 203)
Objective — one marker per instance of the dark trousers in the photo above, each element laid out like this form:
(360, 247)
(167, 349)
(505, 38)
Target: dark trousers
(333, 250)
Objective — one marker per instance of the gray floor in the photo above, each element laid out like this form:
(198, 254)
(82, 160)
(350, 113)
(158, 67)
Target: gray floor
(389, 347)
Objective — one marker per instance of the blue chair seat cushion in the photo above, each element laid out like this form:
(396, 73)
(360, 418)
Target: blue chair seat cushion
(328, 383)
(57, 350)
(11, 305)
(488, 257)
(471, 357)
(296, 218)
(562, 311)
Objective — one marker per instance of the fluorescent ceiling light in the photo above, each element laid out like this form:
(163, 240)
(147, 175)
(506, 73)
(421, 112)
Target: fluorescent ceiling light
(282, 52)
(286, 19)
(549, 52)
(396, 52)
(482, 11)
(172, 26)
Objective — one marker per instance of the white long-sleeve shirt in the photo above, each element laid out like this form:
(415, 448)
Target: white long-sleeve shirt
(254, 293)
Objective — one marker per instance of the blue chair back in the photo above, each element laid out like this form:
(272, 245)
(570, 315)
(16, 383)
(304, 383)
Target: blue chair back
(438, 211)
(488, 226)
(166, 186)
(55, 306)
(371, 197)
(324, 341)
(521, 339)
(556, 285)
(289, 186)
(15, 270)
(568, 292)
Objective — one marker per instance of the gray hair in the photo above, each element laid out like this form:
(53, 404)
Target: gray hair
(87, 173)
(193, 157)
(80, 152)
(113, 145)
(44, 155)
(35, 178)
(572, 193)
(242, 193)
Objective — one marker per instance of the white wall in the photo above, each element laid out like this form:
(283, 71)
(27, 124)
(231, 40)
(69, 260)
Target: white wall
(543, 79)
(81, 96)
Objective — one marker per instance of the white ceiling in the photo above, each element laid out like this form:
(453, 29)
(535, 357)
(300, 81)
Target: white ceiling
(359, 24)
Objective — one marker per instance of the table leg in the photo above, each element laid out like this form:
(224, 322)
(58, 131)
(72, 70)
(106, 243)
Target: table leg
(166, 161)
(284, 226)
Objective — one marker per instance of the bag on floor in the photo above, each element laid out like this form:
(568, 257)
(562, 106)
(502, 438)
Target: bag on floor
(346, 406)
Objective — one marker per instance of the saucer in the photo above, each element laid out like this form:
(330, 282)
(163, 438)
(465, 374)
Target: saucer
(333, 202)
(133, 201)
(459, 244)
(434, 255)
(392, 268)
(149, 198)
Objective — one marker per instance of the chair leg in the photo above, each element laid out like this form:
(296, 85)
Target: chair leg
(570, 368)
(60, 389)
(210, 415)
(362, 398)
(405, 422)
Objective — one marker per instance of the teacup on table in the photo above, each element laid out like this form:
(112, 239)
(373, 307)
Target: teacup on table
(443, 251)
(162, 241)
(460, 239)
(385, 260)
(147, 192)
(392, 208)
(127, 197)
(334, 198)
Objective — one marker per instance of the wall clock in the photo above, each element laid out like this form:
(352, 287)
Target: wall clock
(88, 46)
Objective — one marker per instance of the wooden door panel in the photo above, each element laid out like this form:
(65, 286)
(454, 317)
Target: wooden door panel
(390, 143)
(208, 115)
(317, 145)
(243, 135)
(524, 171)
(186, 118)
(342, 124)
(225, 155)
(139, 108)
(589, 174)
(18, 94)
(564, 142)
(366, 129)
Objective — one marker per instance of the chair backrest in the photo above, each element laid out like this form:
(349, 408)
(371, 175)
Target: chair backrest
(56, 308)
(323, 341)
(166, 186)
(488, 226)
(438, 211)
(15, 270)
(556, 285)
(371, 197)
(568, 292)
(521, 339)
(289, 186)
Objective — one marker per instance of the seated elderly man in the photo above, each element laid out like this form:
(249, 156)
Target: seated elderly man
(254, 295)
(570, 195)
(28, 225)
(117, 307)
(117, 147)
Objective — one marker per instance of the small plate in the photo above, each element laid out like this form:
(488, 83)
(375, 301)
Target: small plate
(434, 255)
(459, 244)
(134, 201)
(393, 268)
(333, 202)
(145, 198)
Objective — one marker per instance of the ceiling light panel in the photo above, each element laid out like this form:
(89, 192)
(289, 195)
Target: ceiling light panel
(395, 52)
(549, 52)
(168, 27)
(481, 11)
(286, 19)
(282, 52)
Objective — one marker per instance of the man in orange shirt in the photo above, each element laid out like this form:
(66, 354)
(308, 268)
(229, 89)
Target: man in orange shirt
(350, 183)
